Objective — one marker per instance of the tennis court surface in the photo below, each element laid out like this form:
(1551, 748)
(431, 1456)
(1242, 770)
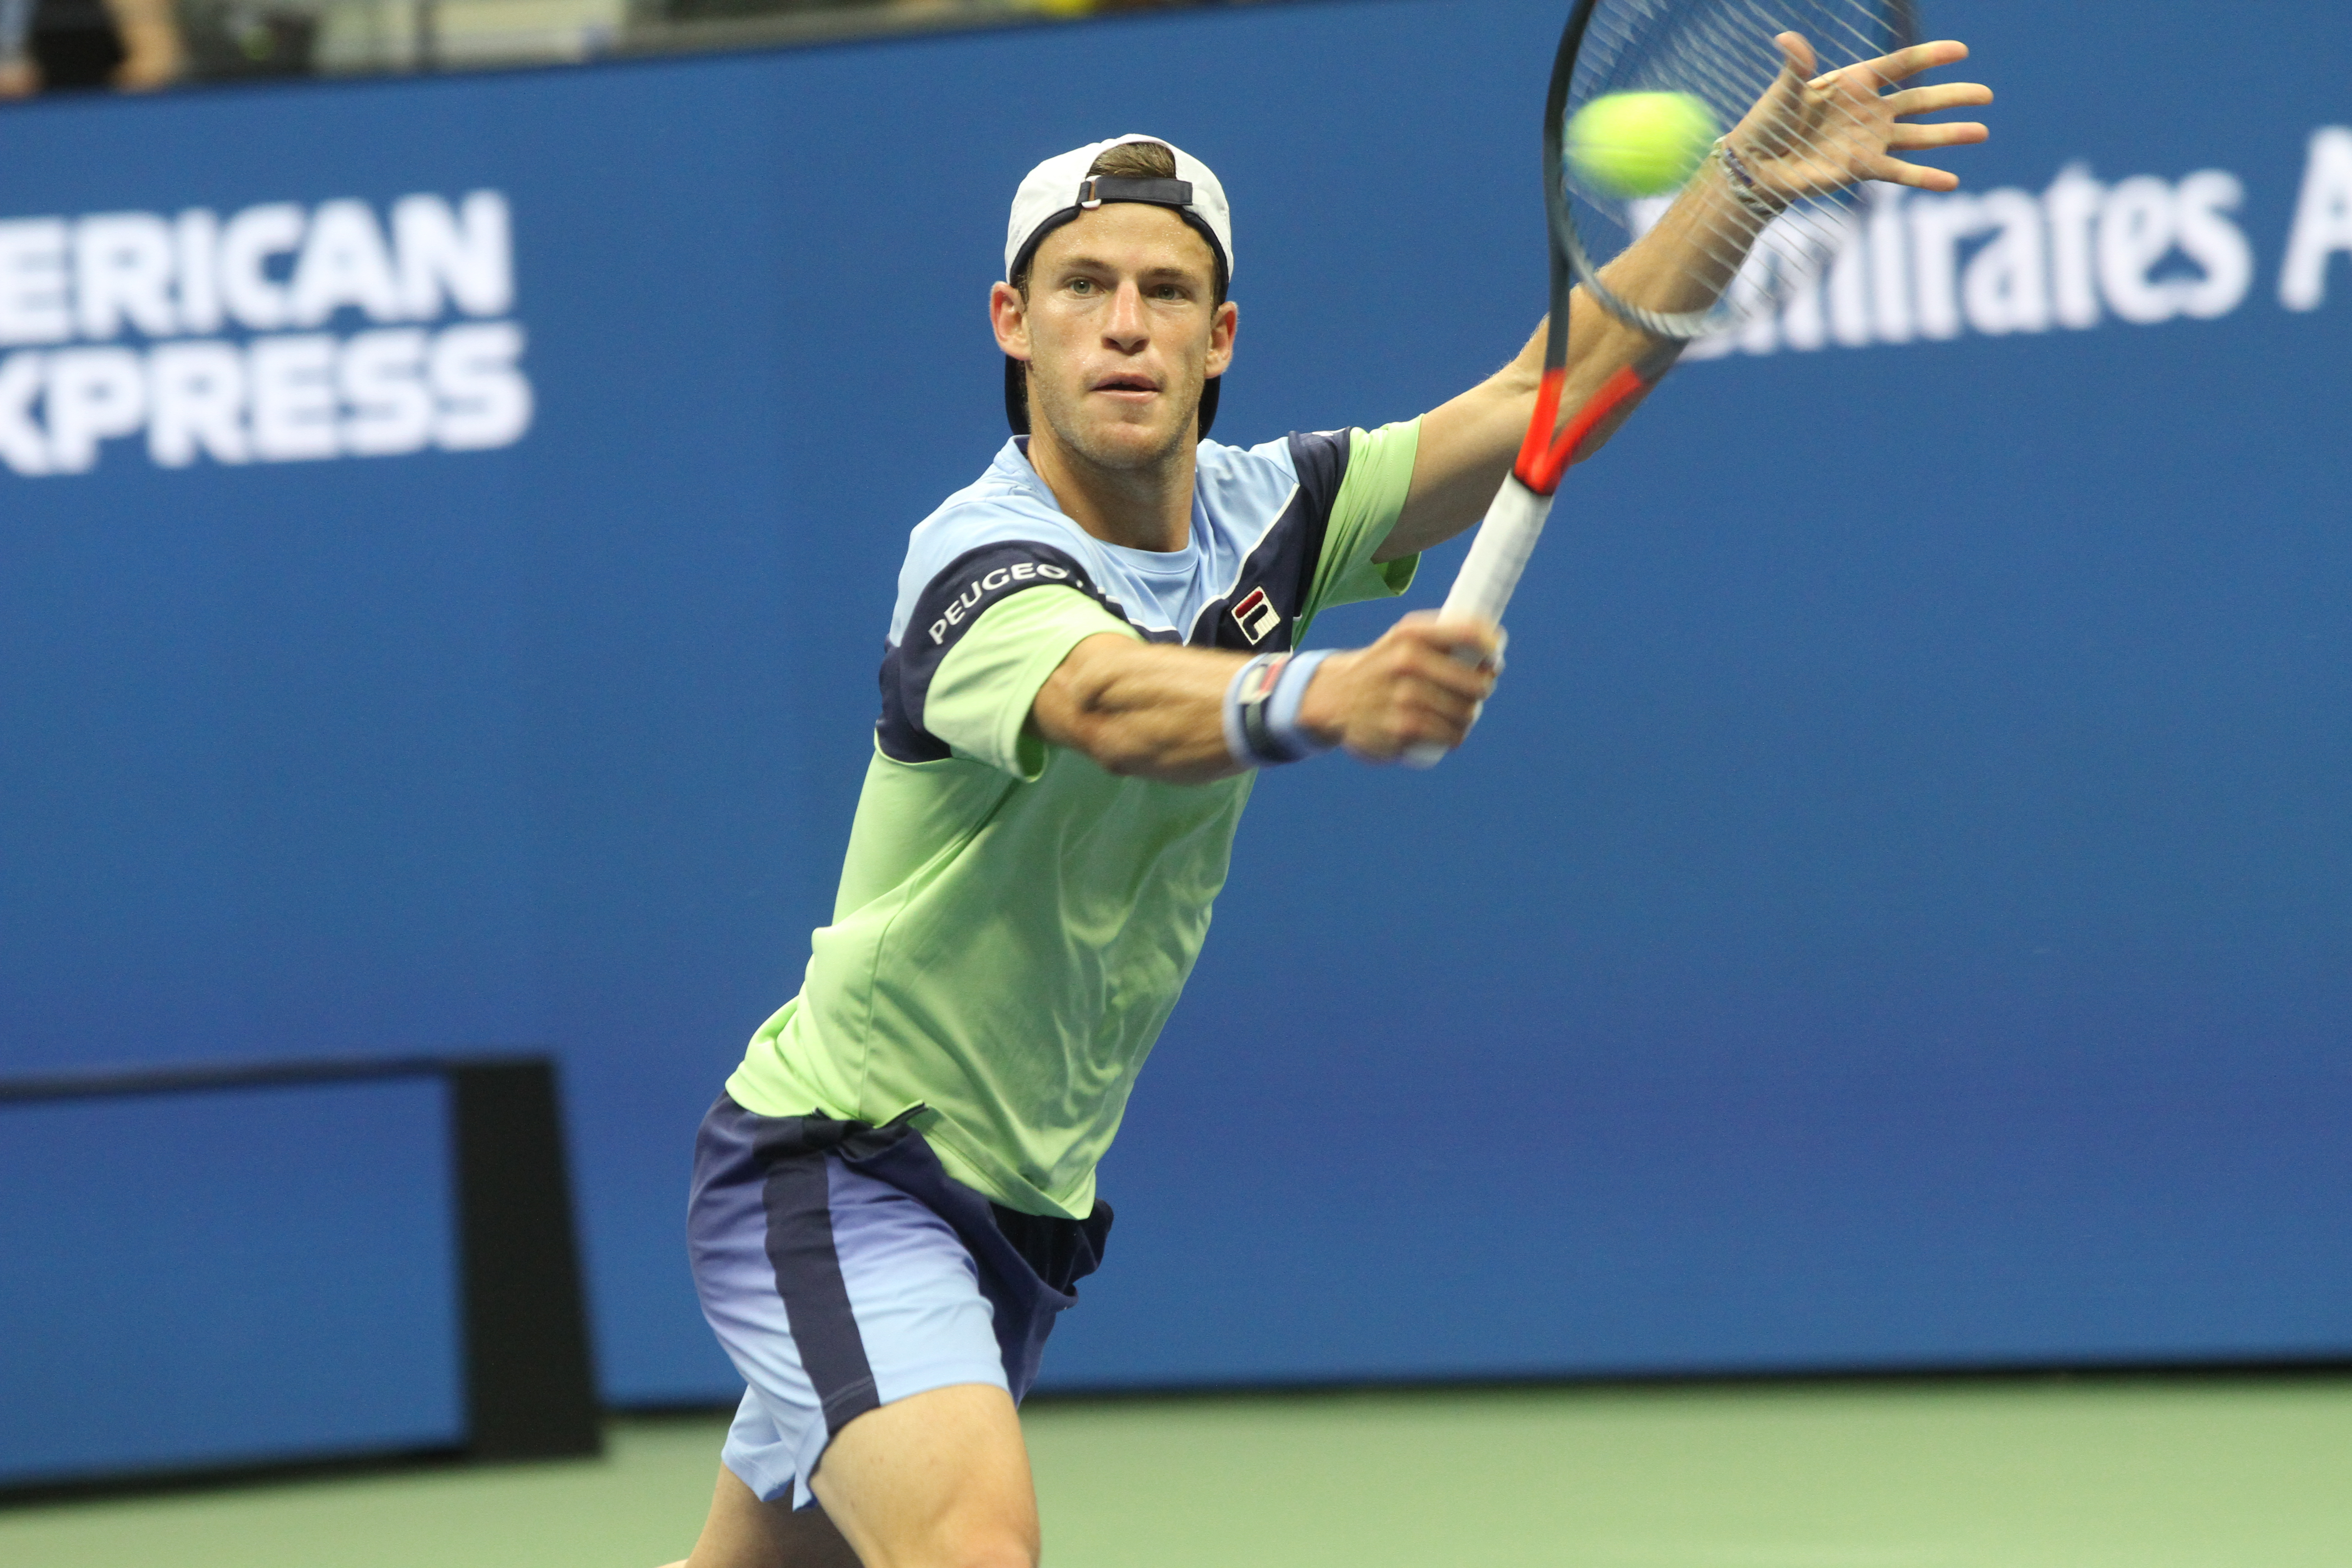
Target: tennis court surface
(2085, 1473)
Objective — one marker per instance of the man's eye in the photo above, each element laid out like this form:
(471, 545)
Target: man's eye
(1082, 285)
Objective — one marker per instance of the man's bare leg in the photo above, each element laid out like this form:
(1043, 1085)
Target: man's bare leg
(744, 1532)
(938, 1480)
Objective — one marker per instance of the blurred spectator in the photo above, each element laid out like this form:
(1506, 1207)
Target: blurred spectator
(136, 44)
(48, 45)
(234, 38)
(17, 77)
(1095, 7)
(151, 39)
(696, 10)
(75, 44)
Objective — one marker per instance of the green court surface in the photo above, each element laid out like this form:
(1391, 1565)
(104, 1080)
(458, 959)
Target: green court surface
(2253, 1473)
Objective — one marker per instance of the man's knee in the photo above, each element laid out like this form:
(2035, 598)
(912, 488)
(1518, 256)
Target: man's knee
(744, 1532)
(1003, 1554)
(975, 1531)
(1003, 1544)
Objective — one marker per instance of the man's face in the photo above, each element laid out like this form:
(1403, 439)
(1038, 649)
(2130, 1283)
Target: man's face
(1120, 331)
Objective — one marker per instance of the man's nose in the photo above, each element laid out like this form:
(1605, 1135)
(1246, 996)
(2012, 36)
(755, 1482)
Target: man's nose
(1127, 327)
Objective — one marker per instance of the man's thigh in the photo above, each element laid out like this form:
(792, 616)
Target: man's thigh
(937, 1480)
(836, 1295)
(744, 1532)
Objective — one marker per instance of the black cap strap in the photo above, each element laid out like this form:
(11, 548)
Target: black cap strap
(1100, 188)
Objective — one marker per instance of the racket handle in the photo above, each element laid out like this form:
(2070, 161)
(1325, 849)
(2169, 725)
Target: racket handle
(1482, 589)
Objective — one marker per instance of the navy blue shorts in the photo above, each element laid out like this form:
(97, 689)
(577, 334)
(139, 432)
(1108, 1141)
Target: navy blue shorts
(843, 1268)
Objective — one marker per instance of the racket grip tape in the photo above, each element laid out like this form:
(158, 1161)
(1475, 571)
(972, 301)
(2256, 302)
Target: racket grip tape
(1490, 572)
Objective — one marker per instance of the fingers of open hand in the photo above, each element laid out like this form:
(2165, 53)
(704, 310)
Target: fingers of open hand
(1798, 55)
(1943, 95)
(1912, 138)
(1783, 103)
(1918, 176)
(1903, 64)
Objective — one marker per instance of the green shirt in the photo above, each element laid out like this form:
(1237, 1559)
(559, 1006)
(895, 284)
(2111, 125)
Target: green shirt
(1014, 924)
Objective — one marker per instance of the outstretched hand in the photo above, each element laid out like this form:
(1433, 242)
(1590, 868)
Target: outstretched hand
(1810, 134)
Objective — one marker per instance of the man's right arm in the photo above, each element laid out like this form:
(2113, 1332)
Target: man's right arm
(1152, 710)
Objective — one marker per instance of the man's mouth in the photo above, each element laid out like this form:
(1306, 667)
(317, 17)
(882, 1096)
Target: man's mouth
(1126, 384)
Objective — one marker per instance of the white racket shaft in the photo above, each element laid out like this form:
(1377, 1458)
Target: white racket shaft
(1482, 589)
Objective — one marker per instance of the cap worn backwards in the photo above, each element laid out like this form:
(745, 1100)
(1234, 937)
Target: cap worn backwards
(1057, 190)
(1052, 195)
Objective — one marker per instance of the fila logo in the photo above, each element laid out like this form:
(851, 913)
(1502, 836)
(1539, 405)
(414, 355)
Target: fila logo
(1256, 616)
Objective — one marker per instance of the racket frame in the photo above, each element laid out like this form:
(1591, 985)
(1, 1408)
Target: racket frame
(1903, 31)
(1507, 538)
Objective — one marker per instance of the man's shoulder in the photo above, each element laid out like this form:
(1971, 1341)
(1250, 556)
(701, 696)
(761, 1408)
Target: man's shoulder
(997, 505)
(1279, 459)
(997, 509)
(1235, 482)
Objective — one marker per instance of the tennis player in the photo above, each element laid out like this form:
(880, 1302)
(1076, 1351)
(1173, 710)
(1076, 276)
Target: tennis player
(1094, 647)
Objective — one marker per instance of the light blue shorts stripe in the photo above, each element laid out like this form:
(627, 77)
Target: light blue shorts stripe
(914, 1297)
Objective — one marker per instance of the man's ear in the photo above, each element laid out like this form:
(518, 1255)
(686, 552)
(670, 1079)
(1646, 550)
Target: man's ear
(1221, 333)
(1008, 312)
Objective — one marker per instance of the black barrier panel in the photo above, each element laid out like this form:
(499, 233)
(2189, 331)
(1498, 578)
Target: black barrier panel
(531, 1393)
(529, 1389)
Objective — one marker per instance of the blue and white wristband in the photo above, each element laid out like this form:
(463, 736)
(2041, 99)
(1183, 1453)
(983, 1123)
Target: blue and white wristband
(1262, 728)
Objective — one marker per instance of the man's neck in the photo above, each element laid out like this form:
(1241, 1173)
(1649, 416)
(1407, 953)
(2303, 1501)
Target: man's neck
(1148, 508)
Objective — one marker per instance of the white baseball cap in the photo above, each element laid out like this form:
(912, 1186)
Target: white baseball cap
(1057, 190)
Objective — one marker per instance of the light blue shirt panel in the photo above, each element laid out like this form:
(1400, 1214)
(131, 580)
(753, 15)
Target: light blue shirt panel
(1238, 495)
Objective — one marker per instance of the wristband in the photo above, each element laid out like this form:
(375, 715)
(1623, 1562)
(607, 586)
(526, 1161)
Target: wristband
(1743, 184)
(1261, 710)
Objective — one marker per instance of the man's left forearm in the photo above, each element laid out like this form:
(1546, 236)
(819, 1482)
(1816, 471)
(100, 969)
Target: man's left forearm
(1467, 446)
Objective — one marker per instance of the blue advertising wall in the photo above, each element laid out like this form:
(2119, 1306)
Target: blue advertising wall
(1895, 914)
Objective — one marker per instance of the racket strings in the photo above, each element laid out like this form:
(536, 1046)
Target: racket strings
(1722, 52)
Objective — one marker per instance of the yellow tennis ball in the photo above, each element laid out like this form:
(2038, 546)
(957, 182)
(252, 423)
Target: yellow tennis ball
(1640, 144)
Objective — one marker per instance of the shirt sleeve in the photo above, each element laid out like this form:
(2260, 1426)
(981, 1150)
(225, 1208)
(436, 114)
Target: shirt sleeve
(981, 693)
(1371, 497)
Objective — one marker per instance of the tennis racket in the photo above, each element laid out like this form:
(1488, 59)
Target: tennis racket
(1804, 125)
